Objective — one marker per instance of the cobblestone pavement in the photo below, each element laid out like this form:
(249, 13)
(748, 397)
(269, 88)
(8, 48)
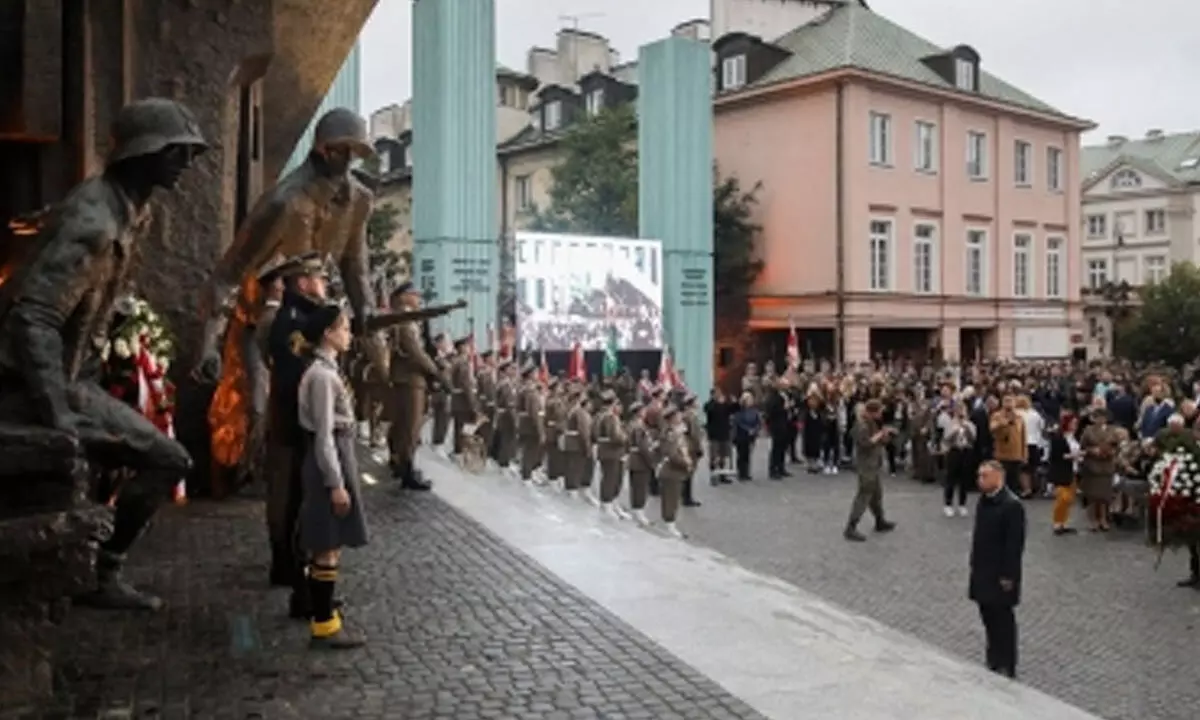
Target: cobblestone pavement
(1100, 628)
(461, 627)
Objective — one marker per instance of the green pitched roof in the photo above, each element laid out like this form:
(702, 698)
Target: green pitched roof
(852, 36)
(1176, 156)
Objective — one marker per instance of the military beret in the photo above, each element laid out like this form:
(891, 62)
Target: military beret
(636, 407)
(320, 320)
(486, 354)
(656, 392)
(504, 364)
(463, 341)
(689, 400)
(670, 414)
(608, 396)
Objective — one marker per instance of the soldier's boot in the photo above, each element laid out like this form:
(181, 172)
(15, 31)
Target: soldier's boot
(112, 592)
(883, 526)
(852, 534)
(411, 479)
(688, 499)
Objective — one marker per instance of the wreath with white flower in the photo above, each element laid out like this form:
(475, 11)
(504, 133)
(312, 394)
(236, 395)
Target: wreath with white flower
(1175, 498)
(136, 358)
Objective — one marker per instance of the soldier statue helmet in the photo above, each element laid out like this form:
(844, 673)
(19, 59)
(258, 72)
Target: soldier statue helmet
(157, 127)
(339, 137)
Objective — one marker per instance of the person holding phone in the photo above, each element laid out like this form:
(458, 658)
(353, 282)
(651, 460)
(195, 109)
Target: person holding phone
(871, 437)
(331, 513)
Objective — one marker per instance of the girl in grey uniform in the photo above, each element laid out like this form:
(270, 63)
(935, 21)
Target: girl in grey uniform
(331, 514)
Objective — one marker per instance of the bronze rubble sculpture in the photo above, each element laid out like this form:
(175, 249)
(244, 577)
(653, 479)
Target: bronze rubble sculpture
(56, 422)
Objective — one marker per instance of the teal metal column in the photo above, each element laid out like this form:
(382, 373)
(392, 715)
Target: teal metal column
(675, 191)
(455, 230)
(345, 92)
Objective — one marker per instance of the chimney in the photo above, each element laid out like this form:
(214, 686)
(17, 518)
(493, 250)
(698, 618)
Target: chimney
(1154, 134)
(1117, 140)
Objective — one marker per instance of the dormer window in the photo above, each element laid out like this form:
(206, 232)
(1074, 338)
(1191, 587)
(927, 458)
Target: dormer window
(385, 162)
(964, 74)
(1126, 180)
(407, 153)
(595, 102)
(733, 72)
(552, 116)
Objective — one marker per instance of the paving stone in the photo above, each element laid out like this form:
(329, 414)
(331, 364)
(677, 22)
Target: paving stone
(1099, 627)
(461, 626)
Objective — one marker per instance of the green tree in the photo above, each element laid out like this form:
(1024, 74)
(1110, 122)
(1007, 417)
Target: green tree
(595, 189)
(736, 265)
(383, 262)
(1166, 328)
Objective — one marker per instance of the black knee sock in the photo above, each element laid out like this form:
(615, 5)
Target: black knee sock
(321, 583)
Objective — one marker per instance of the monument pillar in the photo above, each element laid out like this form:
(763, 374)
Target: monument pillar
(675, 193)
(454, 197)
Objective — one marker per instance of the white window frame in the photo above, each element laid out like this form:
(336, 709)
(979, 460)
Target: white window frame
(553, 115)
(880, 139)
(976, 239)
(1097, 272)
(1022, 255)
(1154, 269)
(1159, 225)
(733, 72)
(1054, 266)
(1023, 163)
(1054, 168)
(881, 279)
(964, 74)
(523, 192)
(1090, 223)
(595, 101)
(977, 155)
(925, 147)
(929, 243)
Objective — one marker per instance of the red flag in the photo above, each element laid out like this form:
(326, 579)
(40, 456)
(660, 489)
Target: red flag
(793, 344)
(577, 368)
(666, 370)
(544, 370)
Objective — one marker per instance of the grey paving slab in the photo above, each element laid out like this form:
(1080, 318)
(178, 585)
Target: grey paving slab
(786, 652)
(1100, 627)
(462, 626)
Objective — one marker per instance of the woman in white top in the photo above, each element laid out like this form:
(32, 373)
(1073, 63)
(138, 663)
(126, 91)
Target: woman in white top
(1035, 430)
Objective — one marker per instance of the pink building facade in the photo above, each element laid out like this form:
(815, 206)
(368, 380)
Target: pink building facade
(899, 218)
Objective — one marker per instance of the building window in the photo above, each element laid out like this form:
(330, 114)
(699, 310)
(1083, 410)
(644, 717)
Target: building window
(1054, 169)
(1124, 226)
(964, 74)
(976, 262)
(385, 162)
(1097, 227)
(1022, 249)
(733, 72)
(553, 119)
(539, 300)
(926, 147)
(1126, 180)
(407, 152)
(881, 139)
(1054, 267)
(924, 257)
(523, 191)
(1154, 269)
(1156, 222)
(595, 102)
(1097, 273)
(976, 155)
(881, 248)
(1022, 170)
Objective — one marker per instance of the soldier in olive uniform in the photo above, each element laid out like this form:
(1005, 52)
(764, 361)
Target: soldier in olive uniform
(612, 445)
(507, 395)
(486, 379)
(412, 370)
(674, 468)
(871, 438)
(464, 400)
(531, 428)
(577, 442)
(655, 425)
(695, 443)
(439, 395)
(642, 461)
(556, 416)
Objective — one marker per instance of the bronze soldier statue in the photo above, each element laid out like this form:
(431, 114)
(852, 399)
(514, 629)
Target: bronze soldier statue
(320, 206)
(611, 447)
(642, 461)
(59, 301)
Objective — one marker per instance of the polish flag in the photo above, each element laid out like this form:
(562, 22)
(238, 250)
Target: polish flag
(544, 370)
(666, 371)
(793, 345)
(577, 368)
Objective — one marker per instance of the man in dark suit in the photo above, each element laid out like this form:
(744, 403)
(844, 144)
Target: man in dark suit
(997, 546)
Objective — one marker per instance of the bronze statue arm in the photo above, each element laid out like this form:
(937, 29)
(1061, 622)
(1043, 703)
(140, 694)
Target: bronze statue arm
(40, 312)
(353, 269)
(383, 321)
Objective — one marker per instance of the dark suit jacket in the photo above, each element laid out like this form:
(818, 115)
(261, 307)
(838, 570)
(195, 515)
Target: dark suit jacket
(997, 546)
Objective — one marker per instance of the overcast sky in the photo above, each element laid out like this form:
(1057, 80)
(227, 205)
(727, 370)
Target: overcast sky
(1128, 66)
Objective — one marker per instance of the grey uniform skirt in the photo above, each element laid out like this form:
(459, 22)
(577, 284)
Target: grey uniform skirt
(320, 529)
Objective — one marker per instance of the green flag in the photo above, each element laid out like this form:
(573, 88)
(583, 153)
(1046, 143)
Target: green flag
(611, 364)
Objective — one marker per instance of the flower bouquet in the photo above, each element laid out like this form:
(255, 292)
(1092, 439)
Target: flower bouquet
(1174, 506)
